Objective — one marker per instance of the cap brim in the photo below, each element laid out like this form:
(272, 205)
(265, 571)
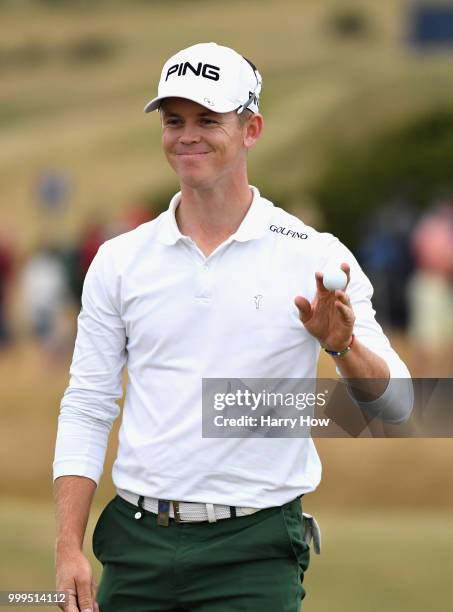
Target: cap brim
(221, 107)
(152, 105)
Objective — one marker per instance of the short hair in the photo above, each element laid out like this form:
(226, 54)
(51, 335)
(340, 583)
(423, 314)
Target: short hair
(245, 116)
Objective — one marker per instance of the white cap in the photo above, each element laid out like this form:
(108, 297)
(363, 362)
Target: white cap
(216, 77)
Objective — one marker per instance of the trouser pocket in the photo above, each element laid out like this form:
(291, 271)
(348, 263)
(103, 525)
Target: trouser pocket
(96, 539)
(294, 525)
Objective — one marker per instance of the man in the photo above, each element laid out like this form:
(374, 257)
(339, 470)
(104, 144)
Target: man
(223, 284)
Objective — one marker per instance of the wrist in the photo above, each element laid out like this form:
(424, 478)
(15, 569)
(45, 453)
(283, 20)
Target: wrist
(65, 546)
(340, 350)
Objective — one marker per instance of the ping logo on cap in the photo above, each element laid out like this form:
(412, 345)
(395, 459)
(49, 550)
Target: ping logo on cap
(205, 70)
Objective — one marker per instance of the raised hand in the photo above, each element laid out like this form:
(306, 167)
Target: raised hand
(329, 317)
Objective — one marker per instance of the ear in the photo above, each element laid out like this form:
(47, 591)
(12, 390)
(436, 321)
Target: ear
(253, 129)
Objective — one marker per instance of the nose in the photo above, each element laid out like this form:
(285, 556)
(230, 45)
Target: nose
(189, 134)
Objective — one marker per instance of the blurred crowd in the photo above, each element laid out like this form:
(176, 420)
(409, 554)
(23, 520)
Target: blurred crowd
(407, 255)
(41, 289)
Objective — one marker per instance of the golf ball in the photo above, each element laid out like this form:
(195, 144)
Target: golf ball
(335, 279)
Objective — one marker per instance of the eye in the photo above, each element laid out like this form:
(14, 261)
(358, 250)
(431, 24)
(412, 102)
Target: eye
(207, 121)
(172, 122)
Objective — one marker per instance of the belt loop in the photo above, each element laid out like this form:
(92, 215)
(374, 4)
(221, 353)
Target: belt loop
(232, 511)
(176, 511)
(211, 513)
(139, 514)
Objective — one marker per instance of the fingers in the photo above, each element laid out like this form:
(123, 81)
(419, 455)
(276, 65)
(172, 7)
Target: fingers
(94, 588)
(80, 603)
(319, 284)
(344, 311)
(71, 606)
(342, 297)
(347, 270)
(343, 305)
(304, 307)
(84, 596)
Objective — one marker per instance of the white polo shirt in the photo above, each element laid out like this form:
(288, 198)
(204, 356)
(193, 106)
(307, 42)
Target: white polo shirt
(153, 301)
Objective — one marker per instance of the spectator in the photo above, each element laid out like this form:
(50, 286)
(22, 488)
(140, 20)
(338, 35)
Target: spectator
(45, 296)
(385, 254)
(431, 292)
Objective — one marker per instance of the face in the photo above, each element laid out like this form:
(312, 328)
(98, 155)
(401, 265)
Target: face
(204, 147)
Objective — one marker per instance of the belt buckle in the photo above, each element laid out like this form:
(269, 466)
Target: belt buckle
(163, 506)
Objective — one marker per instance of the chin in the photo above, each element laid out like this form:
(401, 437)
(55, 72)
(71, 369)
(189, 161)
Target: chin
(195, 180)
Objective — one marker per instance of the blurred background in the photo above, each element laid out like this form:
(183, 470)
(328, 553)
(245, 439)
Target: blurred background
(358, 141)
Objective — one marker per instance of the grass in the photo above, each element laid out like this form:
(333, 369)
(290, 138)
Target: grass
(390, 560)
(386, 561)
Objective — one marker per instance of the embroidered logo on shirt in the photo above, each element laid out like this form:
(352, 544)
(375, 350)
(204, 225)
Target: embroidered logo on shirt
(257, 299)
(288, 232)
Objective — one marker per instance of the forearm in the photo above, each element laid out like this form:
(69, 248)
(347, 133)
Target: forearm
(381, 387)
(73, 496)
(368, 373)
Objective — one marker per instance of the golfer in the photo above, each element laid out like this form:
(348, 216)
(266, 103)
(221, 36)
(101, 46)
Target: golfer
(222, 284)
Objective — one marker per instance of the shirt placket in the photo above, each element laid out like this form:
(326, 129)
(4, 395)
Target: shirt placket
(203, 292)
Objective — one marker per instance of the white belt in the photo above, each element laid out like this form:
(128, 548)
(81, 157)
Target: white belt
(188, 512)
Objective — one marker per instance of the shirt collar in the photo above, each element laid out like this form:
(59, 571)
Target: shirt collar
(252, 226)
(169, 231)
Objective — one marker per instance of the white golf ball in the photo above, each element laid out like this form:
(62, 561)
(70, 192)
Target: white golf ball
(335, 279)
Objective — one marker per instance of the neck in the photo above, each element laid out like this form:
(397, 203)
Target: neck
(211, 214)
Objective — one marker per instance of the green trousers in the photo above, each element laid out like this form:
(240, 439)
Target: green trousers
(253, 563)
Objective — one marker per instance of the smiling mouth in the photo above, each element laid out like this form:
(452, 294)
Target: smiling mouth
(188, 154)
